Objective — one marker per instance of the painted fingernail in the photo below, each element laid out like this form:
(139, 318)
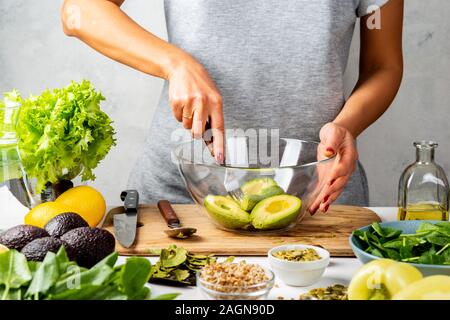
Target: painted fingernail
(219, 157)
(312, 212)
(329, 149)
(326, 199)
(326, 208)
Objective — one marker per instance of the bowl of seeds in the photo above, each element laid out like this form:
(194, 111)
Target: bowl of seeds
(297, 264)
(234, 281)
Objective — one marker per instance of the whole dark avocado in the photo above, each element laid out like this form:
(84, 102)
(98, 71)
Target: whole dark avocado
(37, 249)
(90, 245)
(19, 236)
(63, 223)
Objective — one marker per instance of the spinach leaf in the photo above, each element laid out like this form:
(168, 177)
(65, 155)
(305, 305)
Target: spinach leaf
(76, 276)
(430, 257)
(135, 275)
(167, 296)
(142, 294)
(385, 232)
(377, 253)
(445, 254)
(14, 271)
(437, 239)
(392, 254)
(45, 277)
(427, 226)
(444, 226)
(13, 294)
(96, 276)
(109, 260)
(394, 244)
(33, 266)
(84, 292)
(61, 256)
(406, 252)
(377, 228)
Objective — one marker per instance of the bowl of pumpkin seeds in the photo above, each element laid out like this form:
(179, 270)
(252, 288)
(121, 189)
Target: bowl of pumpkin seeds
(298, 264)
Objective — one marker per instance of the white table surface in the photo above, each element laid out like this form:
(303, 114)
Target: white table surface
(340, 271)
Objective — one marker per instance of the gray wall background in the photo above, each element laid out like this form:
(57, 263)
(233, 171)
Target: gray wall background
(35, 54)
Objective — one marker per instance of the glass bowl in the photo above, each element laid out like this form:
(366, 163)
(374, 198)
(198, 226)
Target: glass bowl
(264, 186)
(213, 291)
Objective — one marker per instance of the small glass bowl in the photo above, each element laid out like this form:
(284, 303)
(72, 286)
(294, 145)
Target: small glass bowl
(212, 291)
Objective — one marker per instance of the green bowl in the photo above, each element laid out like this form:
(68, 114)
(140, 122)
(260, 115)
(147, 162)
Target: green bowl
(406, 227)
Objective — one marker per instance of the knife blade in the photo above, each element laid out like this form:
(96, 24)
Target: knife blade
(125, 223)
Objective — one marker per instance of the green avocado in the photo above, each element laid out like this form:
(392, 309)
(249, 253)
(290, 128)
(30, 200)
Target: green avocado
(276, 212)
(256, 190)
(226, 212)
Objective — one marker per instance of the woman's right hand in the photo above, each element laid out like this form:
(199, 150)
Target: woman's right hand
(192, 93)
(195, 100)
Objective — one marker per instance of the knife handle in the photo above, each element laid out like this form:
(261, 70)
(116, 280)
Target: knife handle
(168, 213)
(208, 137)
(131, 200)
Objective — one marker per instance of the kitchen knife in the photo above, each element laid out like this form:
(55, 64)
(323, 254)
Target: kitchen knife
(125, 223)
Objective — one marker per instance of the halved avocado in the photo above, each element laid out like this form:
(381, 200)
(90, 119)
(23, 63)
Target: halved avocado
(226, 212)
(276, 212)
(256, 190)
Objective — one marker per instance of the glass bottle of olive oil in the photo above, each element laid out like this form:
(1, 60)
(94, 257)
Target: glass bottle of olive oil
(423, 192)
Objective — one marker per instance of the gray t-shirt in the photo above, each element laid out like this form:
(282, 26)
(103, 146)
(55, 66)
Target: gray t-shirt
(279, 64)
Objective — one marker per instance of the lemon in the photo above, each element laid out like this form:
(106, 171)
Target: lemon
(86, 201)
(3, 248)
(42, 213)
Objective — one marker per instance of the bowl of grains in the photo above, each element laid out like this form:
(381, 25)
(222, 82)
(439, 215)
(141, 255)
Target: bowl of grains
(298, 264)
(235, 281)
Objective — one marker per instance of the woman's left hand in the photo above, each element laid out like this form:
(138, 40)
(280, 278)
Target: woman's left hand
(335, 139)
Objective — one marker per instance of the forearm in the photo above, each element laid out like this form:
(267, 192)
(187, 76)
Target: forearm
(380, 70)
(371, 97)
(105, 27)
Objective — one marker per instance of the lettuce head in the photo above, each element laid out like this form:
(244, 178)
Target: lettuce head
(63, 133)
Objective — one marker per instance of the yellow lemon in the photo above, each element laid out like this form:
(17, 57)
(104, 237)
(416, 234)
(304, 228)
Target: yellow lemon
(42, 213)
(3, 248)
(86, 201)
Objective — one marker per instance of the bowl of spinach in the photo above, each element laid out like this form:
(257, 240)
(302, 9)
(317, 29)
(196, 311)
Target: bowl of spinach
(424, 244)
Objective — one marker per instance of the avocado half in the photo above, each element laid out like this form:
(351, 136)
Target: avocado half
(226, 212)
(257, 190)
(276, 212)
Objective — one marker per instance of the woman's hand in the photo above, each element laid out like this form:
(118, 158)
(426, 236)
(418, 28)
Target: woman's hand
(335, 139)
(195, 100)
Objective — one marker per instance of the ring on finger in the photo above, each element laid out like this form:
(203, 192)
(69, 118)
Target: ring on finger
(187, 116)
(187, 113)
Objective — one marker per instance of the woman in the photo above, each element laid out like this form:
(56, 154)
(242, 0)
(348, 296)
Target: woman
(255, 64)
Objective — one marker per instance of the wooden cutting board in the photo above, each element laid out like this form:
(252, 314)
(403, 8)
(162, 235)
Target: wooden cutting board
(330, 231)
